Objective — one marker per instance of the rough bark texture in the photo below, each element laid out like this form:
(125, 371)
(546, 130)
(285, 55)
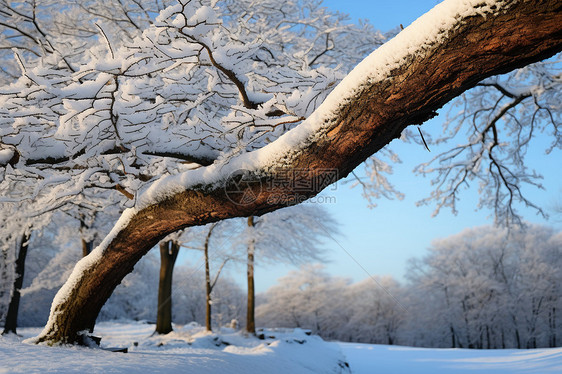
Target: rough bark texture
(522, 33)
(11, 323)
(250, 318)
(168, 254)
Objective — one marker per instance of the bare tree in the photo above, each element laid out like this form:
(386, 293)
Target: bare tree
(210, 284)
(210, 234)
(215, 235)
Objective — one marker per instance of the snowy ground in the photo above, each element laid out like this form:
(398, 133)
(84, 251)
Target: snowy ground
(191, 350)
(369, 359)
(187, 350)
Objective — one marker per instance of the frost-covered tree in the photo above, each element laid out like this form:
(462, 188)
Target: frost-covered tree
(308, 298)
(15, 235)
(216, 83)
(489, 288)
(176, 100)
(486, 287)
(495, 125)
(334, 308)
(375, 314)
(61, 32)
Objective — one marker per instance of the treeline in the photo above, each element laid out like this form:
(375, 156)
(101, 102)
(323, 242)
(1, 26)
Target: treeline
(483, 288)
(136, 297)
(156, 290)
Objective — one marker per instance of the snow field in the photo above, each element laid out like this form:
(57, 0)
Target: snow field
(189, 349)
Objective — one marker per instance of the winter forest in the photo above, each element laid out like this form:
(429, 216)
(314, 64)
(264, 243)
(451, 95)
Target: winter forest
(483, 288)
(135, 131)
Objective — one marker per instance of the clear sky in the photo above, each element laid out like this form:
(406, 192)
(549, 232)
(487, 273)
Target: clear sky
(382, 239)
(383, 14)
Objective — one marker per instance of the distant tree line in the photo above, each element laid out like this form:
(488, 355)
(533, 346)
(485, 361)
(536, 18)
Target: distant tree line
(483, 288)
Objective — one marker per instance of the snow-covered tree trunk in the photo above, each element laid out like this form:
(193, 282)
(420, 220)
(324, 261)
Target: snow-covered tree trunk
(402, 83)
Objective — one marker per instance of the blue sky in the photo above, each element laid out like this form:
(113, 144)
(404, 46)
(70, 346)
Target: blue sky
(382, 239)
(383, 14)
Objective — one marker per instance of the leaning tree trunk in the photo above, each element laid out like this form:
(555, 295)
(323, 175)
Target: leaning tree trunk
(250, 313)
(11, 323)
(407, 87)
(168, 254)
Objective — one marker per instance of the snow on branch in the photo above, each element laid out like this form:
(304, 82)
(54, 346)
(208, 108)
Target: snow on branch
(197, 86)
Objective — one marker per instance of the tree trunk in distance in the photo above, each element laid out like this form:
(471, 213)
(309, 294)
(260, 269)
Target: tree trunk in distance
(250, 320)
(12, 317)
(476, 47)
(208, 286)
(168, 254)
(87, 246)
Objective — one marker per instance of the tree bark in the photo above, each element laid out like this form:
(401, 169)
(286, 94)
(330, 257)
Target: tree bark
(11, 323)
(208, 285)
(168, 254)
(250, 319)
(512, 35)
